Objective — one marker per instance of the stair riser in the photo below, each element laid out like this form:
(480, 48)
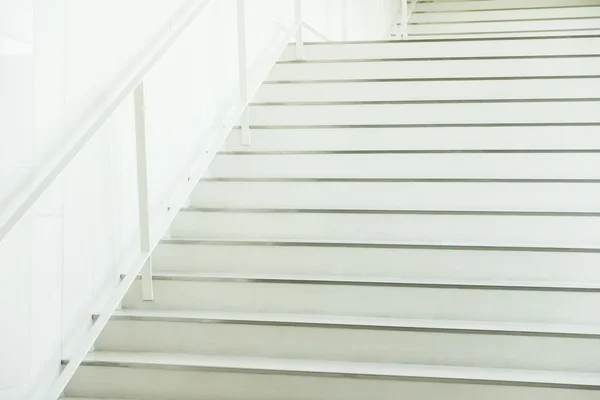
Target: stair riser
(531, 28)
(437, 69)
(504, 15)
(551, 46)
(434, 90)
(453, 5)
(345, 344)
(186, 385)
(402, 302)
(411, 166)
(399, 196)
(432, 114)
(453, 265)
(497, 230)
(518, 34)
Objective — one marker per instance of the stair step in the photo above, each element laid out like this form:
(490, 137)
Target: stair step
(437, 68)
(345, 244)
(475, 112)
(435, 342)
(269, 378)
(341, 321)
(437, 90)
(424, 138)
(512, 34)
(364, 211)
(450, 48)
(488, 375)
(514, 14)
(525, 27)
(361, 281)
(373, 297)
(429, 228)
(385, 261)
(431, 7)
(424, 196)
(558, 166)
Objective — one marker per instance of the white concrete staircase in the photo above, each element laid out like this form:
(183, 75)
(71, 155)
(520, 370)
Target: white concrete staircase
(414, 220)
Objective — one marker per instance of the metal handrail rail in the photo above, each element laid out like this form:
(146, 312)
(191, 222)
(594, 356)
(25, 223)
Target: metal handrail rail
(92, 124)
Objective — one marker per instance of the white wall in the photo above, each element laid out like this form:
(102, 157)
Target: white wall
(16, 150)
(62, 261)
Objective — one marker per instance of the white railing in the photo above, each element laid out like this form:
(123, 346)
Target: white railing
(134, 84)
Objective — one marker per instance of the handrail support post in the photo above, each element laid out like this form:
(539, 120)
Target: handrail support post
(299, 33)
(243, 73)
(345, 22)
(142, 178)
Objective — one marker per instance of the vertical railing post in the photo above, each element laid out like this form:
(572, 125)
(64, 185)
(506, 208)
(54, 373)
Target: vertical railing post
(142, 178)
(243, 72)
(300, 31)
(345, 20)
(404, 20)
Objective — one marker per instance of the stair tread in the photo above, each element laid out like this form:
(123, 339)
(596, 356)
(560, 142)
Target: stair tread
(481, 39)
(352, 321)
(368, 369)
(323, 279)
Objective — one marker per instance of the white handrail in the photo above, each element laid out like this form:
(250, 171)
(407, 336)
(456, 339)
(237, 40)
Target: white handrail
(88, 129)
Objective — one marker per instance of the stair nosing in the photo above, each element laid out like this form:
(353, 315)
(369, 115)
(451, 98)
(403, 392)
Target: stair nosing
(361, 370)
(408, 152)
(284, 210)
(405, 180)
(335, 43)
(374, 245)
(580, 287)
(438, 79)
(368, 323)
(404, 126)
(454, 34)
(500, 9)
(422, 102)
(500, 21)
(436, 59)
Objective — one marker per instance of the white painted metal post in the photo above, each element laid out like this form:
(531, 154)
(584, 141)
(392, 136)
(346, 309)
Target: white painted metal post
(299, 32)
(404, 20)
(243, 72)
(345, 20)
(142, 176)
